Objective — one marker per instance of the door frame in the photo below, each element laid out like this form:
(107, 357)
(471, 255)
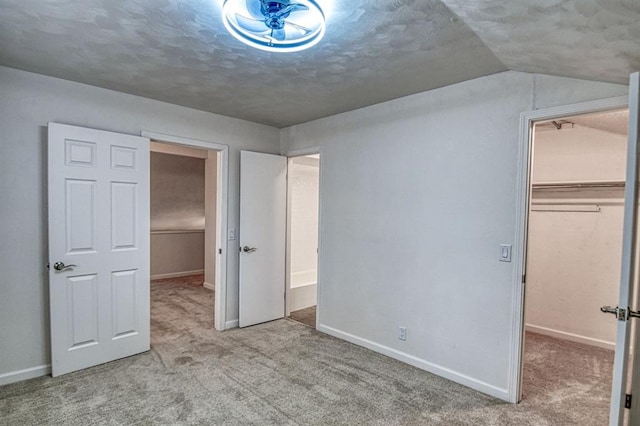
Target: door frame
(222, 203)
(523, 196)
(300, 152)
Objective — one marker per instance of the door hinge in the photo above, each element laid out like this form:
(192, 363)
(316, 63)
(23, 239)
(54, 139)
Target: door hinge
(524, 278)
(219, 251)
(627, 401)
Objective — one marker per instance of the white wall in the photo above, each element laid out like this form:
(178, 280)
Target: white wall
(177, 205)
(176, 192)
(177, 253)
(416, 195)
(578, 154)
(304, 174)
(573, 262)
(27, 103)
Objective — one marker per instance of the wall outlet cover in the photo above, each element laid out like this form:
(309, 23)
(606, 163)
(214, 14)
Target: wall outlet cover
(402, 333)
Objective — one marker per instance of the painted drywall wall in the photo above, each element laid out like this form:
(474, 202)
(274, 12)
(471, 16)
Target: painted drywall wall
(573, 268)
(177, 253)
(578, 154)
(177, 192)
(416, 196)
(304, 176)
(573, 257)
(177, 205)
(27, 103)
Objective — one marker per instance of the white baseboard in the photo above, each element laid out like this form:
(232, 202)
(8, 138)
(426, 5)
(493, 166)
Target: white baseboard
(301, 278)
(27, 373)
(303, 296)
(177, 274)
(570, 336)
(419, 363)
(231, 324)
(209, 286)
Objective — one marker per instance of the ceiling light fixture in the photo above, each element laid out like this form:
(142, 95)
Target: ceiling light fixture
(275, 26)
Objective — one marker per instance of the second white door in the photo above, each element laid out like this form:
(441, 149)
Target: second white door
(263, 209)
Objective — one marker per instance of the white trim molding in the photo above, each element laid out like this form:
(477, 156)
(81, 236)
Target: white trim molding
(523, 195)
(26, 374)
(177, 231)
(177, 274)
(232, 324)
(418, 362)
(209, 286)
(572, 337)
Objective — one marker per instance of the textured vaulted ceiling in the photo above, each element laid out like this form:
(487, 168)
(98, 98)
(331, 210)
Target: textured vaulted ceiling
(591, 39)
(375, 50)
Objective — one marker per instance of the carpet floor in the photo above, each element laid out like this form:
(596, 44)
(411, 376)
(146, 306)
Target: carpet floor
(285, 373)
(306, 316)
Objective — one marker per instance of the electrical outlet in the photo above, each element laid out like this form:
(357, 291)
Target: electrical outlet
(402, 333)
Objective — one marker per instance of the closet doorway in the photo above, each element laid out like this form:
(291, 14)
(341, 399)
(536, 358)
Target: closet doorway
(183, 194)
(303, 187)
(573, 258)
(216, 166)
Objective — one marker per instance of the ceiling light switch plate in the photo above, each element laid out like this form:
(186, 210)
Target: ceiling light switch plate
(505, 252)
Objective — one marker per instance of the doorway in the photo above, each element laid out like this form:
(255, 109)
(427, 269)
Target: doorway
(303, 188)
(180, 277)
(573, 257)
(177, 204)
(202, 217)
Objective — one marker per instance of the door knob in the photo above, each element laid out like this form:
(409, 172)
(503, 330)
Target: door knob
(60, 266)
(248, 249)
(621, 313)
(609, 310)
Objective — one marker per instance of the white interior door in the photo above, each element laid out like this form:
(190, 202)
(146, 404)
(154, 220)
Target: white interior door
(626, 371)
(263, 209)
(98, 246)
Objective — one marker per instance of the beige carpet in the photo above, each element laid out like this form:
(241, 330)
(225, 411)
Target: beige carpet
(285, 373)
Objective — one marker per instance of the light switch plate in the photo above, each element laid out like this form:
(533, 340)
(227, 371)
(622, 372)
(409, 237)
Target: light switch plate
(232, 234)
(505, 253)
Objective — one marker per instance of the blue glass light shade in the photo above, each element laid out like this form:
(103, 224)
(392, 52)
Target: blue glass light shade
(275, 26)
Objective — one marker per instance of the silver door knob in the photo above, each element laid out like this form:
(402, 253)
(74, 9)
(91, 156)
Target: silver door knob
(620, 313)
(609, 310)
(60, 266)
(248, 249)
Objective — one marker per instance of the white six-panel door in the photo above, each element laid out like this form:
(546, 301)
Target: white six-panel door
(627, 359)
(99, 223)
(263, 209)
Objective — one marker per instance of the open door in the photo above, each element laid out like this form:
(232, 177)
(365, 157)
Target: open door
(98, 246)
(263, 209)
(626, 369)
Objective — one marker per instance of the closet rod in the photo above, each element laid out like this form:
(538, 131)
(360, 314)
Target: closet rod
(578, 185)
